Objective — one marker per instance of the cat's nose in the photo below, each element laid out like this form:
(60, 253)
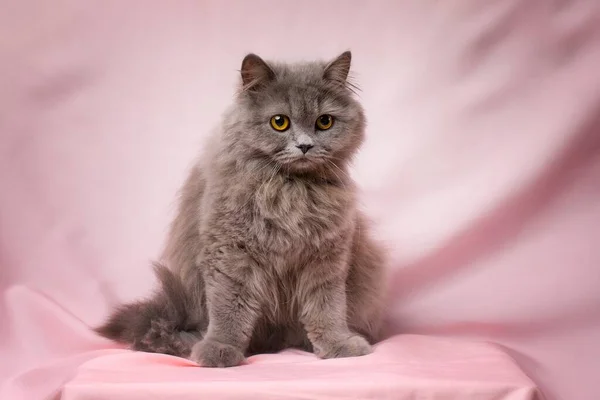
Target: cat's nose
(304, 147)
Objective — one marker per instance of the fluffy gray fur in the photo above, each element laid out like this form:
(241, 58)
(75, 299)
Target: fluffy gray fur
(268, 249)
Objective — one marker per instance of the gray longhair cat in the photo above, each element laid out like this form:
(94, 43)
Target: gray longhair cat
(268, 249)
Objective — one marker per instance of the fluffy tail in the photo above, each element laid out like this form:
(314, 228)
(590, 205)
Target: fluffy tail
(159, 324)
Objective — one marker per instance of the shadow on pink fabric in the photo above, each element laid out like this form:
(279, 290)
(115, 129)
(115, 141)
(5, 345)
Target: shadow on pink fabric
(481, 169)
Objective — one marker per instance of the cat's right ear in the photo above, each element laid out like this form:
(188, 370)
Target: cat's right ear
(255, 73)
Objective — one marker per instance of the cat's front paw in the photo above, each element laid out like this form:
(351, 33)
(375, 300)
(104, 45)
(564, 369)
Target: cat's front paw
(212, 354)
(354, 346)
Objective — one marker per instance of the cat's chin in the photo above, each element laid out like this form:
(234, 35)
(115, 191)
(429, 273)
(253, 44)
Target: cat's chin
(300, 165)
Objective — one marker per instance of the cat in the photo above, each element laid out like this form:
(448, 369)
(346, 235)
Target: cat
(268, 249)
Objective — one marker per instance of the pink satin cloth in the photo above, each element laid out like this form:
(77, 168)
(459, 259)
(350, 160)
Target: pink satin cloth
(481, 171)
(403, 367)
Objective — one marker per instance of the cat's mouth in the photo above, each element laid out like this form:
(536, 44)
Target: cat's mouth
(300, 163)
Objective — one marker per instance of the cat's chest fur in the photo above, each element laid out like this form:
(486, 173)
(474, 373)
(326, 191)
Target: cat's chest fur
(290, 215)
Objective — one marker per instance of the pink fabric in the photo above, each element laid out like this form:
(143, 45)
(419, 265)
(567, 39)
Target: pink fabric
(482, 170)
(399, 369)
(429, 369)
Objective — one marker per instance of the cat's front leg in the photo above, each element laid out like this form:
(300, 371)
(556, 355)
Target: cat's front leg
(233, 308)
(323, 314)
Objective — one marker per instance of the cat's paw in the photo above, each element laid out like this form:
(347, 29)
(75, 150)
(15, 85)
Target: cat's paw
(354, 346)
(212, 354)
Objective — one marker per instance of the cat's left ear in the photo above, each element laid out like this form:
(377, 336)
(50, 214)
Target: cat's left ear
(255, 73)
(338, 69)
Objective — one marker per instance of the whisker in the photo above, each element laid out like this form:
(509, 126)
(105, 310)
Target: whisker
(336, 175)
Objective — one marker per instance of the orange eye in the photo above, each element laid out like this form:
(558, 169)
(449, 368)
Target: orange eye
(324, 122)
(280, 122)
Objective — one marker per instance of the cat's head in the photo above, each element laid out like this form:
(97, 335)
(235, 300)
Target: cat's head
(301, 117)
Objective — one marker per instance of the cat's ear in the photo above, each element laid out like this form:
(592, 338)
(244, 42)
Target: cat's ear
(255, 73)
(338, 69)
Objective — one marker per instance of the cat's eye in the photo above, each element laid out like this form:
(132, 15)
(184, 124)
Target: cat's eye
(280, 122)
(324, 122)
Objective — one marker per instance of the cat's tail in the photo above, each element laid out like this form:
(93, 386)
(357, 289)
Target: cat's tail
(160, 324)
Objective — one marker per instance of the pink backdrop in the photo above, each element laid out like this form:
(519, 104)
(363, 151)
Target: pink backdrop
(482, 167)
